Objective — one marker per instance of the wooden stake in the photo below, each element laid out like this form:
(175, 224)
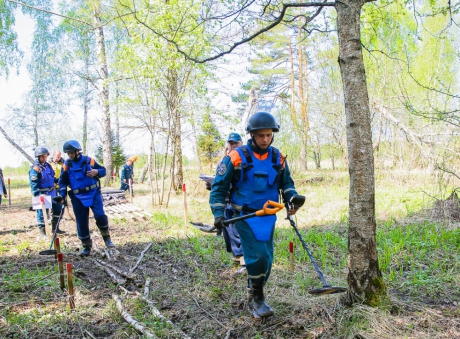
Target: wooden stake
(184, 190)
(70, 285)
(130, 190)
(45, 217)
(61, 270)
(291, 255)
(9, 192)
(57, 247)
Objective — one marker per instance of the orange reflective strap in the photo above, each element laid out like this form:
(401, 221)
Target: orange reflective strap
(91, 161)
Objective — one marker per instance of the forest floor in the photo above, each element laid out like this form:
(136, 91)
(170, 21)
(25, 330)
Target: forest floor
(196, 285)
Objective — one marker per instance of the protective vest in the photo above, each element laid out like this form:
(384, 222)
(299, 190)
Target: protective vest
(258, 183)
(259, 180)
(83, 187)
(47, 175)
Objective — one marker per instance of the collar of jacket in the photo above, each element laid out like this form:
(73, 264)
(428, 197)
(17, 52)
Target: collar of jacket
(256, 149)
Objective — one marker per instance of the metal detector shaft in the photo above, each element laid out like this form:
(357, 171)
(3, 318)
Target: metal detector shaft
(50, 251)
(265, 211)
(304, 244)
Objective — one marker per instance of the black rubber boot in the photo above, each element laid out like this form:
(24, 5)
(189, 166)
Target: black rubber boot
(42, 233)
(259, 306)
(53, 226)
(107, 241)
(85, 252)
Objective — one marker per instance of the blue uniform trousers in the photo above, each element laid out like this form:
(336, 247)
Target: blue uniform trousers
(232, 240)
(82, 218)
(258, 255)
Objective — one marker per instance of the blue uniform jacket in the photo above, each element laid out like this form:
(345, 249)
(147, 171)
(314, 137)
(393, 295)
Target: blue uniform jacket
(37, 179)
(64, 179)
(126, 173)
(229, 173)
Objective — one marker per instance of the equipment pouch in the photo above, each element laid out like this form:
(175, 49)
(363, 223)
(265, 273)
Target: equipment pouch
(260, 181)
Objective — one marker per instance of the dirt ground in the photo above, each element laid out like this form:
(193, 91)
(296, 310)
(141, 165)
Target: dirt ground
(200, 293)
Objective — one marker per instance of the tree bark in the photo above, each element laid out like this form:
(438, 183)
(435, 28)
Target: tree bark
(107, 151)
(364, 277)
(85, 109)
(15, 145)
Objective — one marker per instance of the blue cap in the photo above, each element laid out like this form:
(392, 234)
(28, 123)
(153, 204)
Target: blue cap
(234, 137)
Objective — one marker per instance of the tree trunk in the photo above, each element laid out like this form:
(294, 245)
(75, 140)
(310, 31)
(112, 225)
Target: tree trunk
(364, 277)
(85, 108)
(143, 173)
(15, 145)
(195, 135)
(107, 152)
(178, 165)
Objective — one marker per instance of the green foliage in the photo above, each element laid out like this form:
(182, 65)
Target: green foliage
(118, 156)
(10, 55)
(210, 143)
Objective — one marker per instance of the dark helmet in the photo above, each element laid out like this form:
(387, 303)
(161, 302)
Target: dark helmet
(40, 150)
(262, 120)
(71, 146)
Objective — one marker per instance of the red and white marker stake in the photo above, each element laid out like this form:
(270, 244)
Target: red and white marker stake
(70, 285)
(45, 217)
(291, 255)
(57, 247)
(184, 191)
(61, 270)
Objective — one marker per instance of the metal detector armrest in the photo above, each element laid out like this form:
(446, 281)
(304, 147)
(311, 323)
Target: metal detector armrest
(267, 211)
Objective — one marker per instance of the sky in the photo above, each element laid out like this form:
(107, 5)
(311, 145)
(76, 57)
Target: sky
(231, 73)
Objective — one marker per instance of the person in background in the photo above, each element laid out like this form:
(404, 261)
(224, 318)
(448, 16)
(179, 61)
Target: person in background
(230, 233)
(126, 174)
(2, 187)
(56, 163)
(82, 174)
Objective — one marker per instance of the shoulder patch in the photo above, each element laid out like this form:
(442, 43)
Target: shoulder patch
(33, 178)
(222, 169)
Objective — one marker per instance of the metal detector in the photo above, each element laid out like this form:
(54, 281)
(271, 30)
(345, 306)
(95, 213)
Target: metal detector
(50, 251)
(266, 210)
(296, 202)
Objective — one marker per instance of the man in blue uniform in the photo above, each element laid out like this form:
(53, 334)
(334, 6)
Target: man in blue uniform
(42, 180)
(126, 174)
(82, 174)
(256, 172)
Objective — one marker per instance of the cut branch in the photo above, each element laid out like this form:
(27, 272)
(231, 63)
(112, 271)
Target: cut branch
(130, 320)
(115, 279)
(128, 275)
(140, 257)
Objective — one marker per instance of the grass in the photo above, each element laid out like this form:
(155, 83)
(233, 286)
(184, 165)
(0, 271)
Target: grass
(419, 260)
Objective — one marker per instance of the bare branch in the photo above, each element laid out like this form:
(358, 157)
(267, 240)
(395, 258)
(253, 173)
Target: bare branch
(15, 145)
(49, 12)
(275, 23)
